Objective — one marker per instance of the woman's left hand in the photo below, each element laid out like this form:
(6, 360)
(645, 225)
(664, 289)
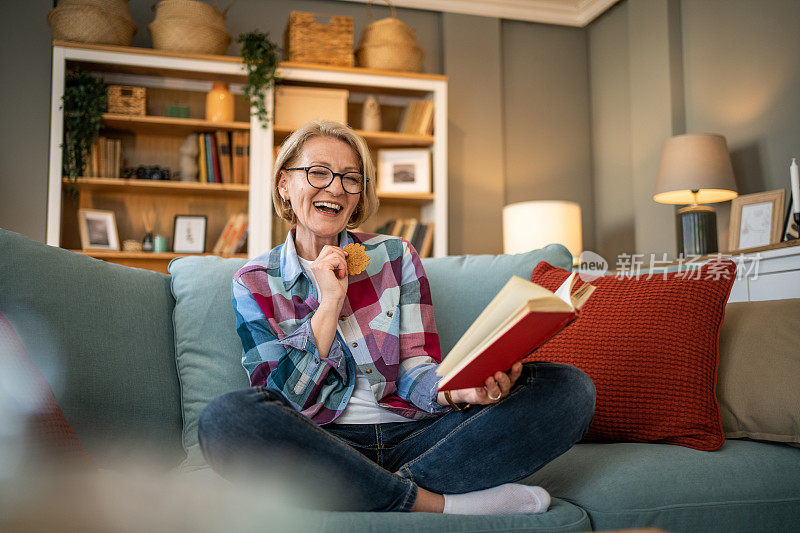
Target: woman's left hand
(495, 388)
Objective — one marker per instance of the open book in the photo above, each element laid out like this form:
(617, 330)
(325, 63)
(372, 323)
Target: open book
(522, 317)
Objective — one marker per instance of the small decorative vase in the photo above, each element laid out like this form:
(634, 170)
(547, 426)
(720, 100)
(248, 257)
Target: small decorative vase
(219, 103)
(147, 242)
(371, 115)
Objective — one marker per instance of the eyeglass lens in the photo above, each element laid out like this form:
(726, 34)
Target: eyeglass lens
(321, 177)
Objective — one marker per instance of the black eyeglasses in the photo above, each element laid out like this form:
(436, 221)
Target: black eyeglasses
(321, 177)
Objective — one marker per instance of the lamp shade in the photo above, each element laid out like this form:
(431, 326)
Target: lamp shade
(531, 225)
(699, 162)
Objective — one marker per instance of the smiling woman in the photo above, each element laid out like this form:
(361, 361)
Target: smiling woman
(355, 353)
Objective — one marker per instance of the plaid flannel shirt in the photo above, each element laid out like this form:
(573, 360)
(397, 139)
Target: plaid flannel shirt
(387, 309)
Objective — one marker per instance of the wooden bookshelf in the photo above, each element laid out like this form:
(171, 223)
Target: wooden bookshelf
(167, 125)
(157, 262)
(159, 186)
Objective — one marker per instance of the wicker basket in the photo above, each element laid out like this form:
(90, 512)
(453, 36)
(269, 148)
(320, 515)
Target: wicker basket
(118, 7)
(389, 44)
(89, 24)
(308, 40)
(390, 57)
(126, 100)
(187, 36)
(200, 12)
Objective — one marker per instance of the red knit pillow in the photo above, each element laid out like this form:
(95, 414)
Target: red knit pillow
(650, 344)
(48, 431)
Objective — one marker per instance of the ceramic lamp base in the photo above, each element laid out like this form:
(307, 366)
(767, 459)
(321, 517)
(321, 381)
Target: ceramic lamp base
(697, 230)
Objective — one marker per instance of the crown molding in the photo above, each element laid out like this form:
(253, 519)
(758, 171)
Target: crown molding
(576, 13)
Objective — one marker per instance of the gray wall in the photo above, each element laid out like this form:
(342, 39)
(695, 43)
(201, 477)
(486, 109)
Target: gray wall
(664, 67)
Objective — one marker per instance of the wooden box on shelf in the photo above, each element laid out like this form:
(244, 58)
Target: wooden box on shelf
(294, 106)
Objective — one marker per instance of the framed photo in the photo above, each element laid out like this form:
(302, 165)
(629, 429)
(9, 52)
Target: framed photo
(189, 235)
(404, 170)
(98, 230)
(756, 219)
(791, 230)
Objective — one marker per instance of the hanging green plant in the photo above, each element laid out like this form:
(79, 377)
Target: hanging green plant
(260, 56)
(85, 98)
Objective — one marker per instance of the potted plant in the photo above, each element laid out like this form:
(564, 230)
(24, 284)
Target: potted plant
(85, 98)
(260, 56)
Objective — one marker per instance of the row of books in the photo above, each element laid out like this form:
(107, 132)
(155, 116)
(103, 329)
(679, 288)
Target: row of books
(417, 118)
(233, 239)
(419, 234)
(104, 158)
(224, 157)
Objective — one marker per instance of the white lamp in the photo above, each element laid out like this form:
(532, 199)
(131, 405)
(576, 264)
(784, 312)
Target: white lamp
(531, 225)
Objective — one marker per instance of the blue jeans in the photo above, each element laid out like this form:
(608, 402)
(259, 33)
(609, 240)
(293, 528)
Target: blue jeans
(378, 467)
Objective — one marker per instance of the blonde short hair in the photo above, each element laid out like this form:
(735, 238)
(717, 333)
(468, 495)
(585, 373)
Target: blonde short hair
(292, 148)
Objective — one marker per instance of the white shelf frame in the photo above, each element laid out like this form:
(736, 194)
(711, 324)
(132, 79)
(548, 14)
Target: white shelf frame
(261, 139)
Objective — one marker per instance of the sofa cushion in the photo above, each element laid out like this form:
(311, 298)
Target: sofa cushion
(208, 352)
(562, 516)
(102, 335)
(743, 486)
(759, 370)
(463, 285)
(650, 346)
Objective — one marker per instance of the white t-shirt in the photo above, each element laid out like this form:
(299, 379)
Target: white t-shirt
(362, 408)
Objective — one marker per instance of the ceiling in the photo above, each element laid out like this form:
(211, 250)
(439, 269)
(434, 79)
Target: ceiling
(564, 12)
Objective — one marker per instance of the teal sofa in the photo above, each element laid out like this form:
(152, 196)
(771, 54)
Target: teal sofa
(138, 359)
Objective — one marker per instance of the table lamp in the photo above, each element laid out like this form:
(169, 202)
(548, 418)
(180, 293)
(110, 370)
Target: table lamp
(531, 225)
(695, 169)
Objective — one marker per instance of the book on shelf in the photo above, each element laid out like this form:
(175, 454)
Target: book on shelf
(246, 148)
(417, 118)
(419, 234)
(233, 238)
(224, 147)
(209, 158)
(237, 147)
(202, 174)
(519, 319)
(212, 138)
(104, 158)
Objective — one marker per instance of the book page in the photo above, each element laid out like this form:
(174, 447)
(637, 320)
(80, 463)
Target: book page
(512, 298)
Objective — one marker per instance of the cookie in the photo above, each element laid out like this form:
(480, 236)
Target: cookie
(357, 258)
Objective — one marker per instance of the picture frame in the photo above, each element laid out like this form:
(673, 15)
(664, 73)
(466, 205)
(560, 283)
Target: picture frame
(404, 170)
(791, 230)
(756, 219)
(189, 234)
(98, 229)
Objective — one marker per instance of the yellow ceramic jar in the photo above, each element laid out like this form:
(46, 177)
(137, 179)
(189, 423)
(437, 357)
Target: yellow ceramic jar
(219, 103)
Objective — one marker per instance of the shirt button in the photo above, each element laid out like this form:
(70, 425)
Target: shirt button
(368, 371)
(355, 345)
(389, 314)
(342, 318)
(316, 361)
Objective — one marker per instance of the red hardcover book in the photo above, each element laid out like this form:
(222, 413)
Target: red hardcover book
(215, 158)
(522, 317)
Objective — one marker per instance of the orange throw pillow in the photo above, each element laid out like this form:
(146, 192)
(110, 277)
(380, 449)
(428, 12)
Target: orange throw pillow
(650, 344)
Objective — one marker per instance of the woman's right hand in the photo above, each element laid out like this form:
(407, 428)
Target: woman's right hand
(330, 269)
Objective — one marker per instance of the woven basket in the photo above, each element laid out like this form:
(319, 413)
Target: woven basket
(199, 12)
(307, 40)
(118, 7)
(187, 36)
(89, 24)
(126, 100)
(390, 57)
(389, 44)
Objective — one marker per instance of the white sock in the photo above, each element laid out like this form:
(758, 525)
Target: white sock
(510, 498)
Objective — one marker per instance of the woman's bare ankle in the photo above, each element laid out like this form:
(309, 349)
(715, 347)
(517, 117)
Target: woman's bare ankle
(428, 502)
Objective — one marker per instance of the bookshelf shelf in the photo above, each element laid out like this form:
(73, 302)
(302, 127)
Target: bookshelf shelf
(168, 125)
(419, 198)
(375, 139)
(112, 254)
(162, 187)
